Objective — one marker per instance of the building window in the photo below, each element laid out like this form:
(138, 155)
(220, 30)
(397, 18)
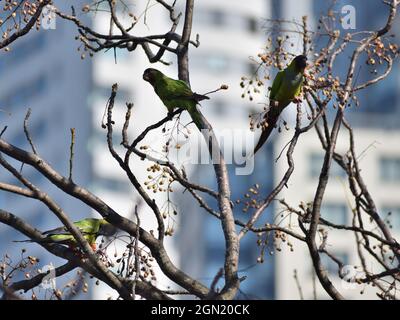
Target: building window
(229, 21)
(23, 51)
(217, 63)
(102, 93)
(252, 25)
(316, 161)
(334, 212)
(219, 107)
(116, 54)
(213, 17)
(212, 62)
(38, 130)
(217, 17)
(3, 199)
(390, 169)
(105, 92)
(24, 94)
(111, 184)
(19, 140)
(392, 214)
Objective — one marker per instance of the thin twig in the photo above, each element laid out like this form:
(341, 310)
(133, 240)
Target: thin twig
(27, 135)
(137, 254)
(71, 153)
(298, 284)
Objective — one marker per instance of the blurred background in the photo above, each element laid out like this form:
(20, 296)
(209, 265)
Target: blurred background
(48, 72)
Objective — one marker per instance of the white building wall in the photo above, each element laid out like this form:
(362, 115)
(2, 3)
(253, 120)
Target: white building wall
(43, 71)
(371, 145)
(233, 45)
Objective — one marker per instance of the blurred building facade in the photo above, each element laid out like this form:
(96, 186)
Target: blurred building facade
(43, 71)
(379, 163)
(213, 63)
(230, 33)
(376, 129)
(56, 82)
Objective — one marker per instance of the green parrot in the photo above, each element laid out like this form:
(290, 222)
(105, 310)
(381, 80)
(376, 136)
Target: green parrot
(285, 88)
(90, 228)
(175, 94)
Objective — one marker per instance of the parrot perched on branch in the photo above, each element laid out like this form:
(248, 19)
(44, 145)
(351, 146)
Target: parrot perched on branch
(285, 88)
(175, 94)
(90, 228)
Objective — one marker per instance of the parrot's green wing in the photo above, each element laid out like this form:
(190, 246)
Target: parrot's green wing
(178, 89)
(88, 227)
(177, 94)
(285, 87)
(300, 86)
(282, 91)
(174, 94)
(85, 226)
(276, 84)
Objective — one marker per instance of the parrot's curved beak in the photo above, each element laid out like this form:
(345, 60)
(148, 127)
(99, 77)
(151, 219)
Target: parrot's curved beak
(146, 76)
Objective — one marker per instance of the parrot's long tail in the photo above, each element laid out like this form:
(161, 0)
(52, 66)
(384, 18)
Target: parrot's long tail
(266, 132)
(200, 97)
(197, 118)
(271, 118)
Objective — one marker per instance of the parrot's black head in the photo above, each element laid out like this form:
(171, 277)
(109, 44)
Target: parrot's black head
(300, 62)
(150, 75)
(107, 229)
